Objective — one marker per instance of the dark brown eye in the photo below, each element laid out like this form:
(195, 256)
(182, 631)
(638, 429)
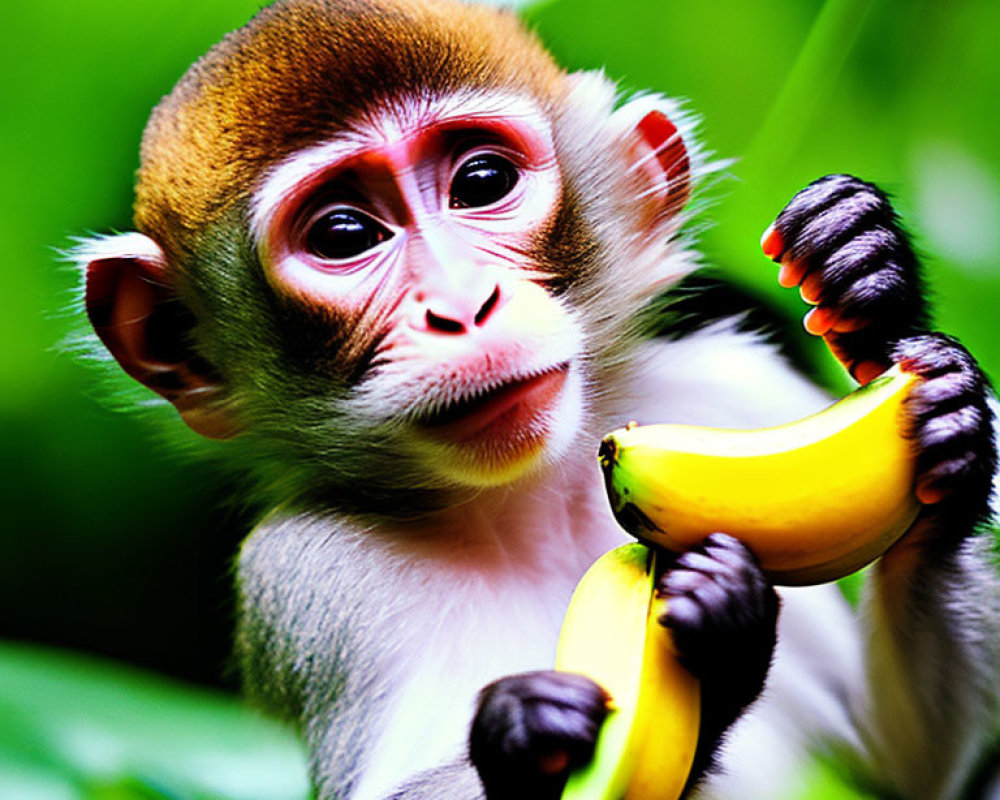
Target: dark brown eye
(482, 181)
(344, 233)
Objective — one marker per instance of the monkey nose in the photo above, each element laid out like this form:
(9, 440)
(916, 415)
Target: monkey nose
(455, 315)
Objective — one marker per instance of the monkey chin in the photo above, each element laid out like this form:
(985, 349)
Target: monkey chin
(506, 434)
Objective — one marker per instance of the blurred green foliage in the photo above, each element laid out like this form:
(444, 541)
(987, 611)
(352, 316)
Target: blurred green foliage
(900, 93)
(117, 537)
(74, 727)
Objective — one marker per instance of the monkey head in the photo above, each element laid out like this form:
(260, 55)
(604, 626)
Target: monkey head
(391, 247)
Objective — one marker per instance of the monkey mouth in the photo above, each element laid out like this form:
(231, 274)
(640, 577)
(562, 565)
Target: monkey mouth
(502, 410)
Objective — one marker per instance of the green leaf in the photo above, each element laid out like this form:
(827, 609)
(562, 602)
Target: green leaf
(70, 723)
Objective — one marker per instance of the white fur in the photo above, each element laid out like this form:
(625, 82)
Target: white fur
(717, 376)
(130, 245)
(125, 246)
(480, 627)
(769, 751)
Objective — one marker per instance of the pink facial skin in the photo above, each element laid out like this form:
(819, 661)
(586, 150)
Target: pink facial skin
(442, 215)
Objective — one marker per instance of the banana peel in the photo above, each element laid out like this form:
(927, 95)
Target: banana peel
(815, 500)
(611, 634)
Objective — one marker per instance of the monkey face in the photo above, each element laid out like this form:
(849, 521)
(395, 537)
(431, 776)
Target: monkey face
(401, 266)
(416, 228)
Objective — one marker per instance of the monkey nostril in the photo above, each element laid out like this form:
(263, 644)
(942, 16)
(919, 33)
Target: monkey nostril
(459, 322)
(488, 306)
(443, 324)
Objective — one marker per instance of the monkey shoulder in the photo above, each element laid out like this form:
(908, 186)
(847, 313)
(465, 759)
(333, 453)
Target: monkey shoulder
(305, 605)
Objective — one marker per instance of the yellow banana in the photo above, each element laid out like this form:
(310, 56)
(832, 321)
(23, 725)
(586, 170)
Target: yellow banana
(610, 633)
(814, 500)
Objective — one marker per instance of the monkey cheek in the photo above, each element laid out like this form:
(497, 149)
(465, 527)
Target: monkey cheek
(521, 440)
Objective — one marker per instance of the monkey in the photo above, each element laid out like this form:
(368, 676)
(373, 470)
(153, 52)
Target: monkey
(404, 267)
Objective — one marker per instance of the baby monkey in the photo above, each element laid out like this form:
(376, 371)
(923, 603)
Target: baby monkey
(403, 264)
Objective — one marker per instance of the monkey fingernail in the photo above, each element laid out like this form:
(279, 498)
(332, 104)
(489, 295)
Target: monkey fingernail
(820, 321)
(929, 494)
(791, 274)
(866, 371)
(553, 763)
(812, 289)
(772, 243)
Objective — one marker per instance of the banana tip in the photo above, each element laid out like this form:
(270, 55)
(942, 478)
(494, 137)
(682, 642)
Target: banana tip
(607, 453)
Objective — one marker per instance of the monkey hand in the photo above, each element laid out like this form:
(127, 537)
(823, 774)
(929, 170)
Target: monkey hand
(839, 240)
(723, 613)
(952, 426)
(531, 729)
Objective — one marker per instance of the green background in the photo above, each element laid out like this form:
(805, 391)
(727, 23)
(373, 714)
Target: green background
(118, 534)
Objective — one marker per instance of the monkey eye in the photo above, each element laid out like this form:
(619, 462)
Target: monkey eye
(481, 181)
(344, 233)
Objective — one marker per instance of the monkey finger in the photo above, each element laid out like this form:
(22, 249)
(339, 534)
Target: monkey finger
(554, 762)
(772, 242)
(869, 343)
(811, 288)
(952, 429)
(865, 372)
(929, 493)
(820, 320)
(823, 319)
(941, 480)
(849, 324)
(530, 728)
(791, 274)
(791, 271)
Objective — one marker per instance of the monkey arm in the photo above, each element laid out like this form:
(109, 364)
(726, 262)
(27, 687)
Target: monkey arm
(928, 708)
(317, 647)
(933, 649)
(301, 642)
(933, 665)
(934, 645)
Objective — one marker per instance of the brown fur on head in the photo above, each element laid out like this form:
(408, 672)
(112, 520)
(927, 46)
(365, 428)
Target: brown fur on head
(302, 69)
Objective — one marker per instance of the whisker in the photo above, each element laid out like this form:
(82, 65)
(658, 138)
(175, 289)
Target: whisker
(663, 186)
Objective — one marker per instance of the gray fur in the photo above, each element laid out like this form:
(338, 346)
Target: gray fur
(457, 780)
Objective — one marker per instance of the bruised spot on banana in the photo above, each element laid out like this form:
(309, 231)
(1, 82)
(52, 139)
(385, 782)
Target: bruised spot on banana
(814, 500)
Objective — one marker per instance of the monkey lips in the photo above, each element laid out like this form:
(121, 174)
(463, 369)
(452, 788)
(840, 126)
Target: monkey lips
(501, 426)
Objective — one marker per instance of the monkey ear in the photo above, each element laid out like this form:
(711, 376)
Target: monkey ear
(667, 150)
(145, 326)
(658, 151)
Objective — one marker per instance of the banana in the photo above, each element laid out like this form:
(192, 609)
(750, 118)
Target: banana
(610, 633)
(814, 500)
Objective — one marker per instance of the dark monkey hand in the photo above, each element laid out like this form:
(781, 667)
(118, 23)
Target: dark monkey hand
(840, 240)
(530, 729)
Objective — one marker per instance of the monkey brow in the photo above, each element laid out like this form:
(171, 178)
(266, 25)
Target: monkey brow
(395, 121)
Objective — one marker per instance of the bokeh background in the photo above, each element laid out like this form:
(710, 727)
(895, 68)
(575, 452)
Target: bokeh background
(118, 533)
